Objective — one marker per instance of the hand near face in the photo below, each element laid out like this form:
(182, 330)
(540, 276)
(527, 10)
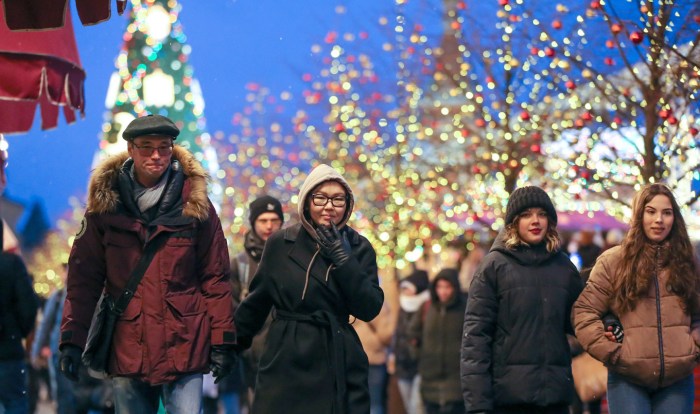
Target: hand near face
(333, 245)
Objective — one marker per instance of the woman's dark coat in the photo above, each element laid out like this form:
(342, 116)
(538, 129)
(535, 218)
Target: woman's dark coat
(514, 347)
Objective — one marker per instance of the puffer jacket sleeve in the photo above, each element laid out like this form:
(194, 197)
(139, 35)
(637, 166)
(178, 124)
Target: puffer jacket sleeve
(478, 334)
(575, 289)
(589, 308)
(214, 274)
(254, 308)
(359, 282)
(86, 279)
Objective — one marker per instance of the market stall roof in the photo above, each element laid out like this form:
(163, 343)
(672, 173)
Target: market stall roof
(39, 68)
(51, 14)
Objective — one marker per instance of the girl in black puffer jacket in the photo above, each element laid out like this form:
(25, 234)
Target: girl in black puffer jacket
(515, 355)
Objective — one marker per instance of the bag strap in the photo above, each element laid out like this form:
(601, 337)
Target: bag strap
(137, 274)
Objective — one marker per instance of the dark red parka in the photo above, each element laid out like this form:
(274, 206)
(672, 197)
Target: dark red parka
(183, 303)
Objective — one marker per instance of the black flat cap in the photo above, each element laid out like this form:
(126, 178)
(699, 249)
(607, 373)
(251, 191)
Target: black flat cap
(150, 125)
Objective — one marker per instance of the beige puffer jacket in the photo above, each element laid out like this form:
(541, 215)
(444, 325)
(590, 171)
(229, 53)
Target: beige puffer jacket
(658, 348)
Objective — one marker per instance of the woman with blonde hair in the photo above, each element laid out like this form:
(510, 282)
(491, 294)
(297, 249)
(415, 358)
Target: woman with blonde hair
(515, 354)
(650, 283)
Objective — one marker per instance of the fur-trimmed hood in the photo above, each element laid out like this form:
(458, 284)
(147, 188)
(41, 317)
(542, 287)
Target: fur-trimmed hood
(103, 194)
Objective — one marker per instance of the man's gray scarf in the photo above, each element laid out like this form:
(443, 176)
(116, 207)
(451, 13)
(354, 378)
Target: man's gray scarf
(147, 197)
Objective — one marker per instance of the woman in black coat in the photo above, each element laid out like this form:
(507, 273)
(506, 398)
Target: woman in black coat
(515, 354)
(317, 276)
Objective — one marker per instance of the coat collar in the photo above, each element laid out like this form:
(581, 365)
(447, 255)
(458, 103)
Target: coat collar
(103, 190)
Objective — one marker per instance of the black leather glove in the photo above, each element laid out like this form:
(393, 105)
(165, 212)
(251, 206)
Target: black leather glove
(612, 324)
(222, 361)
(69, 361)
(334, 245)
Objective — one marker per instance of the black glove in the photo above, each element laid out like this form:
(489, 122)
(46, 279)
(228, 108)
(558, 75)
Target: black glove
(612, 324)
(334, 245)
(69, 361)
(222, 360)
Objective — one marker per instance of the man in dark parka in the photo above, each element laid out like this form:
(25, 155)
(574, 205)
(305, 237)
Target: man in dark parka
(179, 323)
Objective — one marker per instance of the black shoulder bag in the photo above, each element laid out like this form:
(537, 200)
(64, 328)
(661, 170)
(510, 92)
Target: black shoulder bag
(99, 340)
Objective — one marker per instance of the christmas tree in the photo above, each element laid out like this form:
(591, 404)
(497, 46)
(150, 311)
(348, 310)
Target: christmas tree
(153, 77)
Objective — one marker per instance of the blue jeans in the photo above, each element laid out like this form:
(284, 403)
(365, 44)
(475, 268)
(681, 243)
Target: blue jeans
(14, 384)
(410, 394)
(626, 397)
(182, 396)
(231, 402)
(377, 388)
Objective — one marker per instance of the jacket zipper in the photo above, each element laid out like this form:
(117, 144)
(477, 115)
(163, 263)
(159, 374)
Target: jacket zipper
(658, 318)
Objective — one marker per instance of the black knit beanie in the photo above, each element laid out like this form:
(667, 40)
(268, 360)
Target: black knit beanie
(419, 279)
(526, 197)
(265, 204)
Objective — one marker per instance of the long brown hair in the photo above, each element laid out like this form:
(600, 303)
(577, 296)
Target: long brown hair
(634, 273)
(512, 239)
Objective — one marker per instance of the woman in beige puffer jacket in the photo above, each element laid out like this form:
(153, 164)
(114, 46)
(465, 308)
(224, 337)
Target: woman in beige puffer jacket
(650, 283)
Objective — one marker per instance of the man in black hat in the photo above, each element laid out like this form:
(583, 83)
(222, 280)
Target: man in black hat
(179, 322)
(266, 217)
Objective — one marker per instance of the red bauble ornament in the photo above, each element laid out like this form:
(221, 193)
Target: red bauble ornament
(595, 4)
(524, 115)
(534, 50)
(696, 18)
(480, 123)
(693, 131)
(664, 113)
(636, 37)
(672, 120)
(616, 28)
(617, 120)
(556, 24)
(609, 61)
(570, 84)
(503, 2)
(549, 52)
(609, 44)
(586, 116)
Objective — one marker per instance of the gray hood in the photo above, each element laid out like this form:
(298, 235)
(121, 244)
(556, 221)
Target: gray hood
(318, 175)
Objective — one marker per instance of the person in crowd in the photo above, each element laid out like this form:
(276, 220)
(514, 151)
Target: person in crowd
(179, 322)
(45, 345)
(613, 238)
(651, 284)
(18, 309)
(469, 265)
(587, 251)
(375, 337)
(437, 333)
(266, 217)
(317, 275)
(515, 354)
(413, 294)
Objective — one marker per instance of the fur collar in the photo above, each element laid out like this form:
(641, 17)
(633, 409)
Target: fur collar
(103, 195)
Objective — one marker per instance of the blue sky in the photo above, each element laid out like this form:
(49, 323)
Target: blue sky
(233, 43)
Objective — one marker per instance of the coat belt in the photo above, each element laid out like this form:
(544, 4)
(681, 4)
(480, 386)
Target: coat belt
(329, 321)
